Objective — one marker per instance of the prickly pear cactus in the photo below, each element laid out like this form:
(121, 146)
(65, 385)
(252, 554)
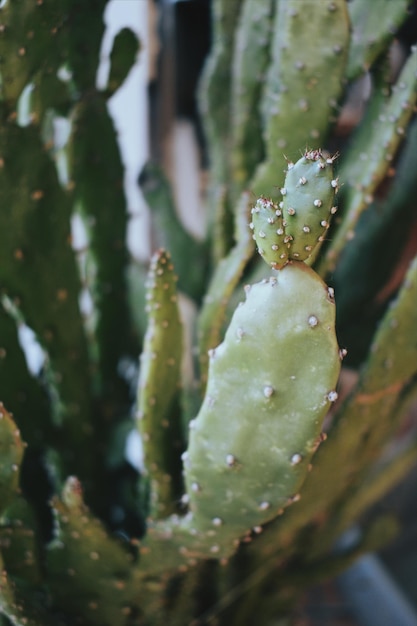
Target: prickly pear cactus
(283, 335)
(243, 468)
(218, 370)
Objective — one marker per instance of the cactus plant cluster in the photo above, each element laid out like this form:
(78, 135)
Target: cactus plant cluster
(253, 468)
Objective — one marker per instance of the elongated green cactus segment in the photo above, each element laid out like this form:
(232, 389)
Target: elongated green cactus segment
(216, 86)
(248, 456)
(380, 92)
(369, 167)
(97, 171)
(295, 228)
(366, 262)
(85, 36)
(43, 276)
(122, 58)
(170, 234)
(250, 61)
(373, 29)
(393, 357)
(160, 369)
(11, 454)
(304, 82)
(367, 491)
(222, 285)
(87, 572)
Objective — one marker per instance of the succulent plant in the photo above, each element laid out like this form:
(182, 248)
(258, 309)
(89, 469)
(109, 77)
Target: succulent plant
(253, 466)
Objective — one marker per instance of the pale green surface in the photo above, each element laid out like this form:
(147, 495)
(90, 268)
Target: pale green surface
(272, 346)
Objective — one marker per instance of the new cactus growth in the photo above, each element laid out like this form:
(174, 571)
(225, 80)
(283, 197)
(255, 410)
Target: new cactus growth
(291, 230)
(222, 369)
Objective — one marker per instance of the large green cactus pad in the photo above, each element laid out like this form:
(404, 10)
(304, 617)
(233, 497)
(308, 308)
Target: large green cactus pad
(270, 384)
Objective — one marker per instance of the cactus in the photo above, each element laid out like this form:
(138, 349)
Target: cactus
(252, 467)
(161, 368)
(292, 229)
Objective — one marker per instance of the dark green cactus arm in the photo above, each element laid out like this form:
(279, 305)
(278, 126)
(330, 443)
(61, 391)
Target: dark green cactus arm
(222, 285)
(85, 24)
(122, 58)
(159, 385)
(250, 61)
(11, 454)
(97, 171)
(373, 28)
(367, 169)
(46, 378)
(215, 106)
(304, 83)
(169, 233)
(18, 388)
(44, 277)
(88, 573)
(29, 32)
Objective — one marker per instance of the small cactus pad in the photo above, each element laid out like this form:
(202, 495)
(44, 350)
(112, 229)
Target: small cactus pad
(295, 227)
(270, 384)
